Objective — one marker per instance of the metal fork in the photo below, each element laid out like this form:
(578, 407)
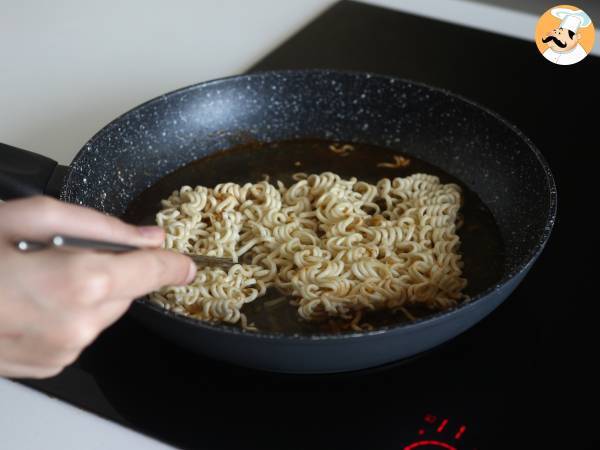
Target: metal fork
(62, 241)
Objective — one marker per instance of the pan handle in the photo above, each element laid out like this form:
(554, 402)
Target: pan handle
(24, 173)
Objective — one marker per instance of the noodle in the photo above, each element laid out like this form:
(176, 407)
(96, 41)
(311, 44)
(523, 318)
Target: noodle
(341, 149)
(399, 161)
(340, 247)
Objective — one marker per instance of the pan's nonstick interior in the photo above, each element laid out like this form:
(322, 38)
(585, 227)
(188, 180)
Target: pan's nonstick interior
(481, 247)
(487, 154)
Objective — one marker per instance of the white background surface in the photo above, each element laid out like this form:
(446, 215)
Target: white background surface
(68, 67)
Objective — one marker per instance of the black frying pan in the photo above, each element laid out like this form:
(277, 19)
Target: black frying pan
(490, 157)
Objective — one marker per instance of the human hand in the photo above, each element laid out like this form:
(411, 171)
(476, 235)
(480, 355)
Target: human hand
(53, 303)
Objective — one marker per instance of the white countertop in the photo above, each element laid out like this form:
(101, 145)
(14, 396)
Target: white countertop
(70, 67)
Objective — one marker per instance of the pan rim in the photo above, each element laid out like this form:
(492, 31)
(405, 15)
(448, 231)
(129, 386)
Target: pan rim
(424, 322)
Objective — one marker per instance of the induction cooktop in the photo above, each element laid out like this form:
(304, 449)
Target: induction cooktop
(512, 381)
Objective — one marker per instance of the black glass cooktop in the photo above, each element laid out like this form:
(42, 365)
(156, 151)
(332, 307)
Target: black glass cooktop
(522, 378)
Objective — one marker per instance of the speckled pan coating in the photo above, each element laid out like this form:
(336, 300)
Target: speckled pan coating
(492, 157)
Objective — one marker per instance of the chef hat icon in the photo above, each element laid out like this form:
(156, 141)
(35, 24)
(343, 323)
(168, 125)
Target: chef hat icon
(570, 19)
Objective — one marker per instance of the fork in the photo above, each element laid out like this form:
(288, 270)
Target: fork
(64, 241)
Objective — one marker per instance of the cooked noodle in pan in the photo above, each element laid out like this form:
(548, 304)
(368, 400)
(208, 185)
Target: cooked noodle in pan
(339, 247)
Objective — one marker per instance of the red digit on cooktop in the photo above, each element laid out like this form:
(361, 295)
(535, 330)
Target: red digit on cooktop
(460, 432)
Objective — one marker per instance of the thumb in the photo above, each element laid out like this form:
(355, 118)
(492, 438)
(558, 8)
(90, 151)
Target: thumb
(134, 274)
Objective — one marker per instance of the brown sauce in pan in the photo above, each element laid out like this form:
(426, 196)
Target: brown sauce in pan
(482, 246)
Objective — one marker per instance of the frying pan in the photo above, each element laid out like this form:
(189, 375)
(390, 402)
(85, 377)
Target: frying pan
(489, 155)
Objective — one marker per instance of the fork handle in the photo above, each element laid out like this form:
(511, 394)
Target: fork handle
(92, 244)
(70, 241)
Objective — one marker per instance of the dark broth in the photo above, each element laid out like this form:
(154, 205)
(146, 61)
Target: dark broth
(481, 247)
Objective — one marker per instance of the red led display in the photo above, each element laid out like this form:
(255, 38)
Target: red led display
(429, 443)
(430, 418)
(442, 425)
(460, 432)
